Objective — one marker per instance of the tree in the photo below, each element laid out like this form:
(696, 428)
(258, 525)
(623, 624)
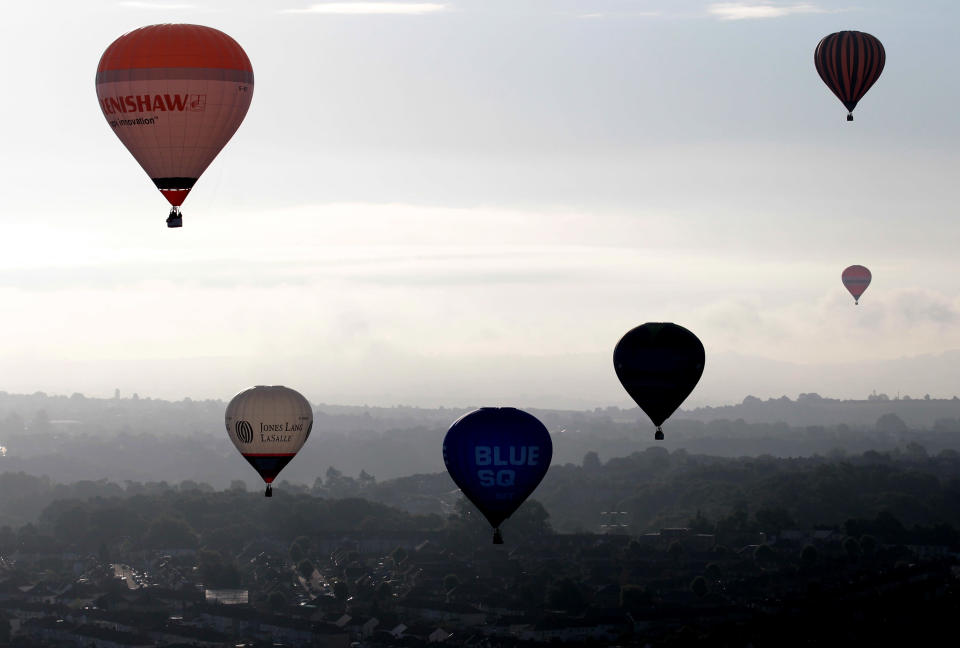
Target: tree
(675, 551)
(170, 533)
(217, 571)
(700, 524)
(383, 593)
(852, 548)
(774, 519)
(808, 557)
(634, 598)
(530, 521)
(763, 555)
(591, 462)
(565, 595)
(450, 581)
(891, 424)
(398, 555)
(296, 552)
(699, 586)
(366, 480)
(340, 591)
(277, 601)
(299, 548)
(713, 571)
(305, 569)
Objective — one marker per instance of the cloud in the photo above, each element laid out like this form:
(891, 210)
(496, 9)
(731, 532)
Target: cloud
(373, 8)
(755, 10)
(133, 4)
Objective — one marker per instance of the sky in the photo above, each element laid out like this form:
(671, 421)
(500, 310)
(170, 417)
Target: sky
(468, 202)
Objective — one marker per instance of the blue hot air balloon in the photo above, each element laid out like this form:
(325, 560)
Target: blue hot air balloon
(497, 456)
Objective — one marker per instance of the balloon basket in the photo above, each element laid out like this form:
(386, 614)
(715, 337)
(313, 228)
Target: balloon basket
(850, 117)
(269, 491)
(659, 434)
(175, 219)
(497, 538)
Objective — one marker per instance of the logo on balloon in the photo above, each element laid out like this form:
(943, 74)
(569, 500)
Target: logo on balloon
(244, 431)
(198, 103)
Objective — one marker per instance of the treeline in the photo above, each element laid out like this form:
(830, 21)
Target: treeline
(654, 489)
(77, 438)
(70, 453)
(660, 489)
(191, 519)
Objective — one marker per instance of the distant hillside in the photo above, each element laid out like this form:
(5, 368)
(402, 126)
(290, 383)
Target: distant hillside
(141, 439)
(812, 409)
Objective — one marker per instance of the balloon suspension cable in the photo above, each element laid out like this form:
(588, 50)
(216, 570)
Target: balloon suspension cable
(849, 116)
(659, 434)
(497, 538)
(269, 492)
(175, 219)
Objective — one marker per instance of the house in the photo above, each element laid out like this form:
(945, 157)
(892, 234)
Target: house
(459, 614)
(439, 636)
(234, 620)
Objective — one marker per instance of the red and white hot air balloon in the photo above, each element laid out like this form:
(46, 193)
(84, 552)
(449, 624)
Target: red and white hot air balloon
(269, 425)
(856, 278)
(174, 95)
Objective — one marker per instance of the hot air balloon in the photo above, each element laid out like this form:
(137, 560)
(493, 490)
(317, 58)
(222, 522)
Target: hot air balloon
(659, 364)
(269, 425)
(849, 62)
(497, 456)
(174, 95)
(856, 278)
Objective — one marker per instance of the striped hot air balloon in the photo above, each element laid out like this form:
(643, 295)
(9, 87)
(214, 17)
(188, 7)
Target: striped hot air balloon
(269, 425)
(856, 278)
(174, 95)
(849, 62)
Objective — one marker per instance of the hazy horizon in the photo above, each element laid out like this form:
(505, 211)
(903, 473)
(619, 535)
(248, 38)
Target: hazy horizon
(728, 380)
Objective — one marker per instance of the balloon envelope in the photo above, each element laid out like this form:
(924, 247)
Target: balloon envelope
(659, 364)
(855, 279)
(269, 425)
(497, 456)
(174, 95)
(849, 62)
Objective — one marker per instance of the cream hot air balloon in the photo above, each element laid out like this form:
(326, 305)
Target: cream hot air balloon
(269, 425)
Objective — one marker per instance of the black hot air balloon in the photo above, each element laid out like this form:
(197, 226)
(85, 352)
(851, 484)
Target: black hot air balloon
(659, 364)
(849, 62)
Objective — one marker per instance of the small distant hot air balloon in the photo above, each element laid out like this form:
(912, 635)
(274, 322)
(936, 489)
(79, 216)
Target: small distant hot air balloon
(856, 278)
(174, 95)
(849, 62)
(659, 364)
(497, 456)
(269, 425)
